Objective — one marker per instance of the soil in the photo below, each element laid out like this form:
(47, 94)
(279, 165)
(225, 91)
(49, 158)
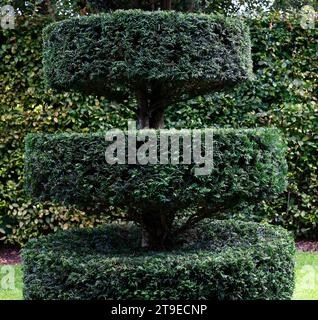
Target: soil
(309, 246)
(9, 255)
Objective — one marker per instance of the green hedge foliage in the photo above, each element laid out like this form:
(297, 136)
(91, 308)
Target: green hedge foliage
(207, 6)
(26, 106)
(223, 260)
(248, 164)
(189, 53)
(284, 94)
(179, 5)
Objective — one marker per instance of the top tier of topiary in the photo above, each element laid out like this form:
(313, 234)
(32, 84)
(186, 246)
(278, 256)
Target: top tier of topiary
(161, 57)
(179, 5)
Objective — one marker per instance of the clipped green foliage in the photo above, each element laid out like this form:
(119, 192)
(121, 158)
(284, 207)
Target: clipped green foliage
(207, 6)
(63, 8)
(284, 94)
(188, 53)
(228, 260)
(179, 5)
(27, 106)
(297, 209)
(249, 165)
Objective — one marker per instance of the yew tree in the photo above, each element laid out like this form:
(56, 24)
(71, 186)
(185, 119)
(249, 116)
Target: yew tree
(158, 57)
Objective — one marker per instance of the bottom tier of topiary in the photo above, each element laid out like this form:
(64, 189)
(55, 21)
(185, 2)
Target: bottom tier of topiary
(216, 260)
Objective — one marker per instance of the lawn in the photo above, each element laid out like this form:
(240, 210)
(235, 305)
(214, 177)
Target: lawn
(306, 276)
(10, 282)
(306, 279)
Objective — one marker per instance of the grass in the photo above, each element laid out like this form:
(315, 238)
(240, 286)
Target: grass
(306, 287)
(10, 282)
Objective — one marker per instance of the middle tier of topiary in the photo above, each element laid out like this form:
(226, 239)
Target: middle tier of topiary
(248, 165)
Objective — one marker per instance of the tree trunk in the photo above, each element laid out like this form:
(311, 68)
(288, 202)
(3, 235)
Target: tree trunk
(145, 243)
(157, 119)
(151, 108)
(156, 230)
(143, 109)
(191, 6)
(155, 226)
(165, 4)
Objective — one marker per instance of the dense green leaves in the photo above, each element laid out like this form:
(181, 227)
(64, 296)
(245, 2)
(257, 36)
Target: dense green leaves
(207, 6)
(61, 8)
(187, 53)
(249, 165)
(219, 260)
(150, 5)
(283, 94)
(298, 208)
(26, 106)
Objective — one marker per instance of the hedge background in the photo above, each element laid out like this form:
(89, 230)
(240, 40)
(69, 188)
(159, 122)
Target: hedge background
(283, 94)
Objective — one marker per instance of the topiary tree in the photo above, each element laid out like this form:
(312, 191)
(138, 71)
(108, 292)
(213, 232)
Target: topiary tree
(160, 57)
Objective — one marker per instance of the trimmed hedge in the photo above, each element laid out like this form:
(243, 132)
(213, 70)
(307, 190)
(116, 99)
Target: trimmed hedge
(228, 260)
(27, 106)
(150, 5)
(207, 6)
(283, 94)
(71, 169)
(189, 53)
